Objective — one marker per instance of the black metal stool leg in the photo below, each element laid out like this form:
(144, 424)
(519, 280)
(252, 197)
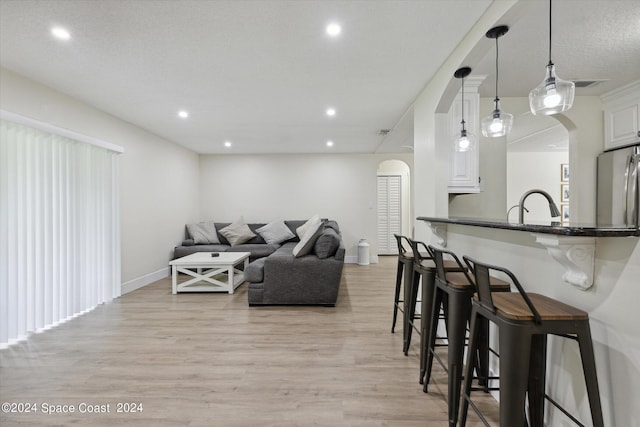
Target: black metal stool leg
(468, 370)
(537, 380)
(459, 308)
(590, 373)
(411, 295)
(515, 350)
(430, 340)
(397, 295)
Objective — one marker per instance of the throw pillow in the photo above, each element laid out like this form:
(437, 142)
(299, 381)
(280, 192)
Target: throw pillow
(238, 232)
(305, 245)
(275, 232)
(300, 231)
(203, 233)
(327, 243)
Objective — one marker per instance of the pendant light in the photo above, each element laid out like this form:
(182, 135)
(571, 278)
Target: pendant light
(464, 141)
(553, 95)
(497, 123)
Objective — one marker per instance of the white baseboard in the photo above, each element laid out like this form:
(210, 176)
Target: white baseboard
(145, 280)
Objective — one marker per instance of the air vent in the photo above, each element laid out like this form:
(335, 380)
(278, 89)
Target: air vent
(384, 132)
(588, 83)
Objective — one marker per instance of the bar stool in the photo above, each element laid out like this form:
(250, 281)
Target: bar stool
(405, 264)
(424, 268)
(457, 288)
(523, 321)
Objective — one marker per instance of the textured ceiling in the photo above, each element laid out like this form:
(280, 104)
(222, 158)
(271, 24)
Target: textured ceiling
(261, 73)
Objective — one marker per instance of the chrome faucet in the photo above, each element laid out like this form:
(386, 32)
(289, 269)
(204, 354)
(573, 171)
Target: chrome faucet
(552, 205)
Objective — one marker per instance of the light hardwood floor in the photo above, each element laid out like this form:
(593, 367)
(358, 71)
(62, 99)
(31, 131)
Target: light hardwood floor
(210, 360)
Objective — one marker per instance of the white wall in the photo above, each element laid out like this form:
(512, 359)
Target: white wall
(528, 170)
(267, 187)
(158, 179)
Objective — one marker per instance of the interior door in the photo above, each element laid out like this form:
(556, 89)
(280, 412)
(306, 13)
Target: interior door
(389, 213)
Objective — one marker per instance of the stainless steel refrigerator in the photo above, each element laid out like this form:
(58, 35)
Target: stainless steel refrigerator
(618, 187)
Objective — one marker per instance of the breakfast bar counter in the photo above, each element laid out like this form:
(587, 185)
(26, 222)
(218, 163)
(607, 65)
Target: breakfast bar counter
(557, 228)
(572, 245)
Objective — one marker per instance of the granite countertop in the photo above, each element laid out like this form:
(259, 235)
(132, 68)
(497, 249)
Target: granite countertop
(558, 228)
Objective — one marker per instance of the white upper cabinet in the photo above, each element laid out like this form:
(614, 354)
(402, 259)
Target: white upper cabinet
(622, 116)
(464, 173)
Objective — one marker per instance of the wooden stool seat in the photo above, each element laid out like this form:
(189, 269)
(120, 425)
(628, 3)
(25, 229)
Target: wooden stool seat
(513, 306)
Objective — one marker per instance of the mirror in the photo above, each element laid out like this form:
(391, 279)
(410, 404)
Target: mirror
(537, 157)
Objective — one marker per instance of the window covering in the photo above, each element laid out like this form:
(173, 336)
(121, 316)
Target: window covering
(59, 226)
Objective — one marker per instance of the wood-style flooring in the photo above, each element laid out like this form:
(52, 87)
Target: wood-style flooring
(211, 360)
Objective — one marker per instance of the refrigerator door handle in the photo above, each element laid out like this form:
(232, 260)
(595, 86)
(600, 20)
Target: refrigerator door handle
(632, 199)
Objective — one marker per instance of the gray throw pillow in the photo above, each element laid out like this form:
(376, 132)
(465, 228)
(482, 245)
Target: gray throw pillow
(327, 243)
(238, 232)
(305, 245)
(203, 233)
(275, 232)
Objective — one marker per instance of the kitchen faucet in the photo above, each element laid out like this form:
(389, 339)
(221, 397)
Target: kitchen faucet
(552, 205)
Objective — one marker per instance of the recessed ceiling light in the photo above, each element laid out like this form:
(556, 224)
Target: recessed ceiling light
(329, 143)
(60, 33)
(334, 29)
(183, 114)
(331, 111)
(227, 144)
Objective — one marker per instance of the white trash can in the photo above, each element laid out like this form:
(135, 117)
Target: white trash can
(363, 252)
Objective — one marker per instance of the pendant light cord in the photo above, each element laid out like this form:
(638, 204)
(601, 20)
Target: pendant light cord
(462, 111)
(550, 63)
(497, 99)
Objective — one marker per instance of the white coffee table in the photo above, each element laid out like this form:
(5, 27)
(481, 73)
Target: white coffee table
(212, 274)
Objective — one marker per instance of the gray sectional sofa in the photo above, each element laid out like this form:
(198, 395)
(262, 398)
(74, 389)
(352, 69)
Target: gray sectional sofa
(276, 276)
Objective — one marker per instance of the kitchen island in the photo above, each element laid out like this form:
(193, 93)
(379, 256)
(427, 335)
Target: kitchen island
(559, 260)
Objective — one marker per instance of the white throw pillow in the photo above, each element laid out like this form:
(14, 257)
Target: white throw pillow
(300, 231)
(275, 232)
(237, 232)
(305, 245)
(203, 233)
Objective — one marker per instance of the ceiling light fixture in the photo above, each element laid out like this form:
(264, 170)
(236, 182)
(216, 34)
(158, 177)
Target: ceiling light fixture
(227, 144)
(331, 111)
(60, 33)
(553, 95)
(334, 29)
(497, 123)
(329, 143)
(183, 114)
(464, 141)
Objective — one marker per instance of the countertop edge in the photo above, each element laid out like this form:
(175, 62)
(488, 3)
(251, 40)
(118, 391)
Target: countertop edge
(562, 230)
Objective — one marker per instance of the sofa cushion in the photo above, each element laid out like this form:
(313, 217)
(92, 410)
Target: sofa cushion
(332, 224)
(311, 222)
(254, 272)
(327, 243)
(257, 250)
(203, 233)
(305, 245)
(238, 232)
(275, 232)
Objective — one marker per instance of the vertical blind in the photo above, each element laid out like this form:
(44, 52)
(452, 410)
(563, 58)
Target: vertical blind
(59, 229)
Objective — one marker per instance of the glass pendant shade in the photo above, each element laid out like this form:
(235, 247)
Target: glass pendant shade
(465, 141)
(553, 95)
(497, 124)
